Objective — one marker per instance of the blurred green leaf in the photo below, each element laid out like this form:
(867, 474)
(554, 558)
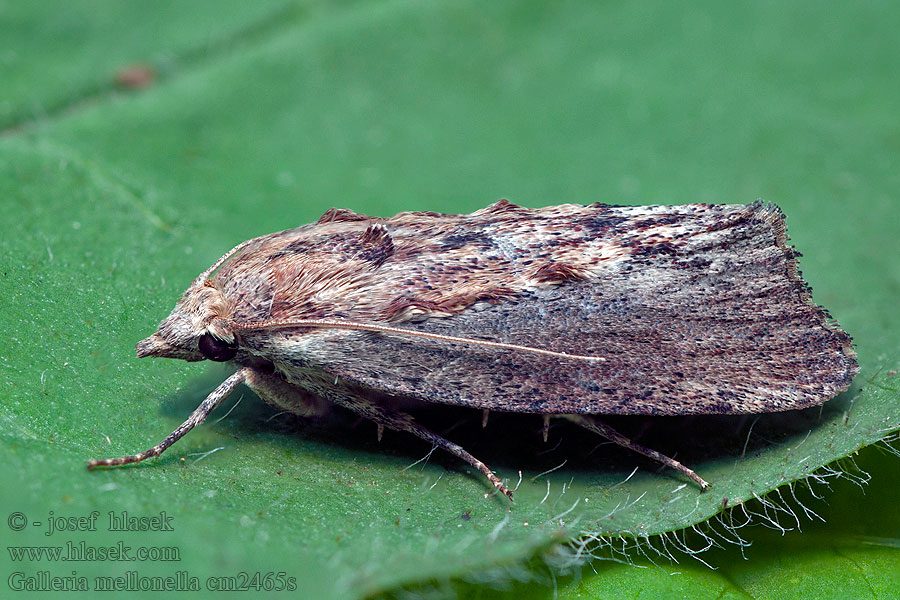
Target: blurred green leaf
(262, 118)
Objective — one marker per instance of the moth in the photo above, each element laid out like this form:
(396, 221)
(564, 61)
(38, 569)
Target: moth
(566, 311)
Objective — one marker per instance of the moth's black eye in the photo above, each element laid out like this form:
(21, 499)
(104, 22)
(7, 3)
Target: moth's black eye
(215, 349)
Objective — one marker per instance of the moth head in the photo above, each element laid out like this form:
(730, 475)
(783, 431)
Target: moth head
(197, 329)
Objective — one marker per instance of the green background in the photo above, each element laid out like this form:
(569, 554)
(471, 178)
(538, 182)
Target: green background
(262, 116)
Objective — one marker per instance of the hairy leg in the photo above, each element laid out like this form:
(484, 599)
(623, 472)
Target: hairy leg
(296, 399)
(593, 424)
(198, 416)
(400, 421)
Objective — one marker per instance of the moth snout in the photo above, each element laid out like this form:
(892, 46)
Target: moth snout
(156, 345)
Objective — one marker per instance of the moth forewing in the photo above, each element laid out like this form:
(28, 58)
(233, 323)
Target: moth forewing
(567, 310)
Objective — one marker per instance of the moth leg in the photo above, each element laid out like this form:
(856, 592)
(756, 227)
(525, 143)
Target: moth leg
(611, 434)
(400, 421)
(198, 416)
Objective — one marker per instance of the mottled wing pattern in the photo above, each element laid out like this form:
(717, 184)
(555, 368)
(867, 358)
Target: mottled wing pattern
(697, 309)
(421, 264)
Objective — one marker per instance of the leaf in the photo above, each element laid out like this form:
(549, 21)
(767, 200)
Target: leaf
(115, 200)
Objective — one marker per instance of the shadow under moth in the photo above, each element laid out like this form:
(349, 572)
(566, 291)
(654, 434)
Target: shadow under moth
(566, 311)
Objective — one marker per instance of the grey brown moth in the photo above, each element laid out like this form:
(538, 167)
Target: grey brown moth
(566, 311)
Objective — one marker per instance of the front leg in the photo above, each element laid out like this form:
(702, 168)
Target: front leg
(199, 415)
(269, 387)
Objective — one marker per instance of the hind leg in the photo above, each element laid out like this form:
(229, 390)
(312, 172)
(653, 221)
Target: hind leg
(589, 422)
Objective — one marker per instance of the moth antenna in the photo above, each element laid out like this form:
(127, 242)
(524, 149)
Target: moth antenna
(205, 274)
(360, 326)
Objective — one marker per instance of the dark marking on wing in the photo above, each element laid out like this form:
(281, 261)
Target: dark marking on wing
(341, 215)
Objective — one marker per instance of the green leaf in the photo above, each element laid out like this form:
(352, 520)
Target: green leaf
(263, 117)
